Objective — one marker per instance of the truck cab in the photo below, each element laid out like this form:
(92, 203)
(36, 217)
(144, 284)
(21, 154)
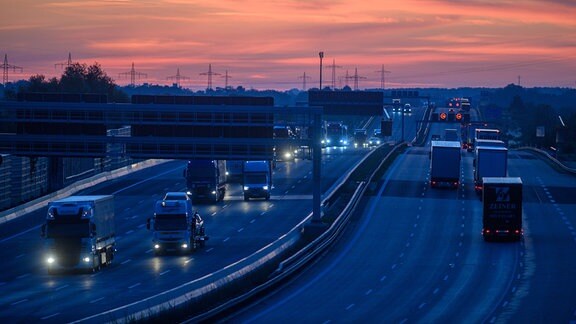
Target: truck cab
(257, 181)
(175, 228)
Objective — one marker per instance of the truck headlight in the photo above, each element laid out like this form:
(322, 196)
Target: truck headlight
(86, 259)
(184, 245)
(213, 192)
(246, 188)
(50, 260)
(265, 187)
(287, 155)
(156, 246)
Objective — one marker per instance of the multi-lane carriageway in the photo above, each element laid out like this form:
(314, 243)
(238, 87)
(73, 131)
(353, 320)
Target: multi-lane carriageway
(415, 254)
(236, 229)
(411, 254)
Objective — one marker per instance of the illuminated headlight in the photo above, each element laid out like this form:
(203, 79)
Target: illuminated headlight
(213, 192)
(156, 246)
(265, 187)
(355, 144)
(287, 155)
(50, 260)
(328, 141)
(86, 259)
(184, 245)
(246, 188)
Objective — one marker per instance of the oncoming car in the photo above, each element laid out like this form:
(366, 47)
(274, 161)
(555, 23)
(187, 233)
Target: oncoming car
(374, 141)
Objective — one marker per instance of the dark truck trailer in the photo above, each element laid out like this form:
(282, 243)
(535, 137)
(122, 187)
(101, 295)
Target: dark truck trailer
(206, 180)
(502, 208)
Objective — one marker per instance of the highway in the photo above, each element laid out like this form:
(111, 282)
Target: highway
(236, 229)
(415, 254)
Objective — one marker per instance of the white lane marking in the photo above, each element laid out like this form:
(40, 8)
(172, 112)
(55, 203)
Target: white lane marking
(137, 284)
(226, 239)
(61, 287)
(350, 307)
(241, 229)
(252, 221)
(125, 261)
(49, 316)
(19, 302)
(96, 300)
(164, 272)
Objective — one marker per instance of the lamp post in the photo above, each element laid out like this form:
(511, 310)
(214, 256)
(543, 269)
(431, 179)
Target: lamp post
(321, 54)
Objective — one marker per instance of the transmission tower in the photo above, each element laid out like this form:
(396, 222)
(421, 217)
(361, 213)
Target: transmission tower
(178, 77)
(382, 77)
(355, 77)
(304, 77)
(133, 75)
(6, 67)
(65, 65)
(209, 74)
(333, 67)
(226, 77)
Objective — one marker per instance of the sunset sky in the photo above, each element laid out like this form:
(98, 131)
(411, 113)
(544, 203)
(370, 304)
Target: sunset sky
(271, 44)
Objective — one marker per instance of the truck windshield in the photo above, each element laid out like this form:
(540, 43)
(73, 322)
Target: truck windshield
(170, 222)
(78, 228)
(255, 178)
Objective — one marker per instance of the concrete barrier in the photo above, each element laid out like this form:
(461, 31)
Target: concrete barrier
(13, 213)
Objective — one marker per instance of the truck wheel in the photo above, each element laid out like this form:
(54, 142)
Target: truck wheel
(246, 198)
(268, 197)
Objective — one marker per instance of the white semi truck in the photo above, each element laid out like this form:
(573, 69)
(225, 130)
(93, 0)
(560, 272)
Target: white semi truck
(489, 161)
(445, 157)
(175, 227)
(79, 233)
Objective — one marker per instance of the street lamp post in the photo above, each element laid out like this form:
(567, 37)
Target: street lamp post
(321, 54)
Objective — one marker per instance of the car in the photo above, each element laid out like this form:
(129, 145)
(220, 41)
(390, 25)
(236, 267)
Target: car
(407, 109)
(176, 196)
(374, 141)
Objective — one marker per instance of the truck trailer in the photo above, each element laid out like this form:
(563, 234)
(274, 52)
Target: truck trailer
(489, 161)
(257, 179)
(502, 208)
(445, 158)
(206, 180)
(175, 227)
(79, 233)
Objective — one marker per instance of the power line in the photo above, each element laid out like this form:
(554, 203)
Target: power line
(382, 72)
(133, 75)
(355, 77)
(6, 67)
(304, 77)
(66, 64)
(178, 77)
(333, 67)
(209, 74)
(226, 77)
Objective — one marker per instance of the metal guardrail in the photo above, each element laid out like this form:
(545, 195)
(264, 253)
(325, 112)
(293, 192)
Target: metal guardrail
(298, 260)
(551, 158)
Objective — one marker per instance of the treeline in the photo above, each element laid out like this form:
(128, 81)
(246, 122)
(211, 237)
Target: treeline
(534, 117)
(77, 79)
